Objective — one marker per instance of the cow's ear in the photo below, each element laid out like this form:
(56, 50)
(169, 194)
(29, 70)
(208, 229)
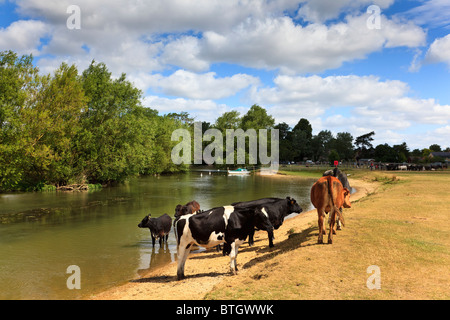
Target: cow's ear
(346, 191)
(149, 215)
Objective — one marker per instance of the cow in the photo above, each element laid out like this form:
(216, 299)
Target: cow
(276, 208)
(218, 225)
(188, 208)
(328, 195)
(342, 177)
(159, 227)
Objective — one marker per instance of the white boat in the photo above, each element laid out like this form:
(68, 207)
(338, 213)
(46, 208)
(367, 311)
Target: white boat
(238, 172)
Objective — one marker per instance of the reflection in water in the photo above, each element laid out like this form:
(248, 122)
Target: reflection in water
(42, 233)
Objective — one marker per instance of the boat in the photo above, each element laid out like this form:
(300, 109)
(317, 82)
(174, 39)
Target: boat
(239, 172)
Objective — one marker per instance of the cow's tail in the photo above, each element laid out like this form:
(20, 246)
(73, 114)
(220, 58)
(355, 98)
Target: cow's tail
(336, 209)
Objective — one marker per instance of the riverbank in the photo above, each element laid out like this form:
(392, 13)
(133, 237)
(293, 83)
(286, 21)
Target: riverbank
(208, 270)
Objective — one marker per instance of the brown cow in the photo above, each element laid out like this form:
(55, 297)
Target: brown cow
(328, 195)
(188, 208)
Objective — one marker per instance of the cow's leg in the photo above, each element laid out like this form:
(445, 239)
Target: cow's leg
(332, 222)
(161, 240)
(183, 252)
(251, 242)
(233, 254)
(338, 222)
(271, 237)
(153, 240)
(321, 216)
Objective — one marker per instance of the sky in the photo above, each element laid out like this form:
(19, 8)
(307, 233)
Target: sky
(345, 65)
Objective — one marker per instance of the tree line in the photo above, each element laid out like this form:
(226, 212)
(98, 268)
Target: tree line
(71, 128)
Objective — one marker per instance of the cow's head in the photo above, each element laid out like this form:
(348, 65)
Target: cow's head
(293, 205)
(145, 223)
(178, 211)
(347, 203)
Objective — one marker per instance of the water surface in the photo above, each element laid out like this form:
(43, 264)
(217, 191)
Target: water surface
(42, 233)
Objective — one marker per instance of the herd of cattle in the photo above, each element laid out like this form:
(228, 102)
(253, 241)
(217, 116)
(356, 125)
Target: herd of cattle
(231, 225)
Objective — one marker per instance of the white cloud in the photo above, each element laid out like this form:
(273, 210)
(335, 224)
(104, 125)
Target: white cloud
(194, 34)
(369, 103)
(23, 36)
(275, 43)
(204, 86)
(439, 51)
(323, 10)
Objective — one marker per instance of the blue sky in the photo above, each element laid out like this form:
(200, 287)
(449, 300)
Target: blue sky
(321, 60)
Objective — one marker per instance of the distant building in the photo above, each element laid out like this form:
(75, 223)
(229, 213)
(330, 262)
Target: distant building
(441, 154)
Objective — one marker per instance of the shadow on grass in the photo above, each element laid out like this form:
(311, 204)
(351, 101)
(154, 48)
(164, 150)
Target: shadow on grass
(294, 241)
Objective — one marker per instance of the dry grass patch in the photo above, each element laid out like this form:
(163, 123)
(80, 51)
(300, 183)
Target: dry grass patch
(403, 228)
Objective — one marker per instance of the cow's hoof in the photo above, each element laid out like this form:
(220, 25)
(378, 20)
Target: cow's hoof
(180, 277)
(330, 241)
(339, 228)
(319, 241)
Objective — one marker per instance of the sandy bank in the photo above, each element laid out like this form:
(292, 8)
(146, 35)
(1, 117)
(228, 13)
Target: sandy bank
(207, 269)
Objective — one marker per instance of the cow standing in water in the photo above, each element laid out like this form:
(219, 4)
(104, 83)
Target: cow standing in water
(188, 208)
(159, 227)
(328, 195)
(215, 226)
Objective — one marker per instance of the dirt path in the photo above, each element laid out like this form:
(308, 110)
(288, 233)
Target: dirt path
(205, 270)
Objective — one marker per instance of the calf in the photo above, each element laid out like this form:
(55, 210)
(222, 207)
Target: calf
(159, 227)
(328, 195)
(276, 208)
(210, 228)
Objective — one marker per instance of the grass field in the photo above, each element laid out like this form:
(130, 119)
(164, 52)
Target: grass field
(403, 228)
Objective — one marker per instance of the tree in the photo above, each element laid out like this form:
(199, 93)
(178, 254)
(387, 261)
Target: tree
(344, 145)
(257, 118)
(333, 156)
(228, 120)
(19, 84)
(364, 145)
(321, 144)
(116, 142)
(435, 148)
(402, 152)
(285, 135)
(301, 140)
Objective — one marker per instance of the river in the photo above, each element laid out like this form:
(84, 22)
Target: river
(43, 233)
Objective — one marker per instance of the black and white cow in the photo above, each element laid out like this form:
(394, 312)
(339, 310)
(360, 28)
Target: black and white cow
(276, 208)
(159, 227)
(215, 226)
(342, 177)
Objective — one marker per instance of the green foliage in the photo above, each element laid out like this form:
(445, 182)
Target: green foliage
(68, 128)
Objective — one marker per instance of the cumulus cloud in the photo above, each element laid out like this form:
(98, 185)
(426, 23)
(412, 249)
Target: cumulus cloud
(439, 51)
(319, 11)
(195, 34)
(372, 103)
(23, 36)
(205, 86)
(275, 43)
